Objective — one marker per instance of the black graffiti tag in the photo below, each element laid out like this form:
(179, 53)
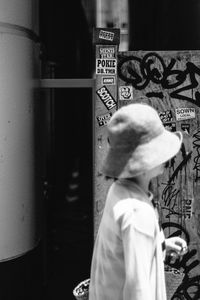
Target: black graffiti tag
(169, 197)
(170, 193)
(196, 144)
(183, 163)
(151, 68)
(190, 286)
(189, 289)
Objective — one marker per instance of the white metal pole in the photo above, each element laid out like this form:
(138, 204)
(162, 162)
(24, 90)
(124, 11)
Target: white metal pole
(19, 175)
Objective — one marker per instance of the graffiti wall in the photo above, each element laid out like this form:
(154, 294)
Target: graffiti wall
(171, 82)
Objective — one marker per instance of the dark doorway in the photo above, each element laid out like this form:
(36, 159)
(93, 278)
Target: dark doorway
(67, 46)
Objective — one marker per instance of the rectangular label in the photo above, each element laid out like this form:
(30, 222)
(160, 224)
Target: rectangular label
(171, 126)
(126, 92)
(165, 116)
(103, 119)
(108, 80)
(106, 35)
(185, 128)
(106, 97)
(185, 113)
(106, 66)
(107, 52)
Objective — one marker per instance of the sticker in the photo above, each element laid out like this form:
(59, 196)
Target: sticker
(171, 126)
(165, 116)
(185, 113)
(126, 92)
(187, 208)
(106, 97)
(106, 35)
(107, 52)
(186, 128)
(103, 119)
(108, 80)
(106, 66)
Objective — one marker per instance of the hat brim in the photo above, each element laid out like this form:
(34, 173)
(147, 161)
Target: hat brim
(122, 164)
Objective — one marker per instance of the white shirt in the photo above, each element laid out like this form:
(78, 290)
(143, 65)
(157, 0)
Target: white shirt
(127, 261)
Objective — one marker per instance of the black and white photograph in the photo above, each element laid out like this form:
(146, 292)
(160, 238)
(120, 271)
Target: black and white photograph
(99, 150)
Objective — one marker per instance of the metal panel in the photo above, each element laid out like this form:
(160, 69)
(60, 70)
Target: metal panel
(67, 83)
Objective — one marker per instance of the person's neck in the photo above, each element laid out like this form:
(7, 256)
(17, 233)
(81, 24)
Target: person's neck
(142, 182)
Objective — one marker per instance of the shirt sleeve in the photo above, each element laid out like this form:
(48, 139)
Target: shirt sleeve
(137, 232)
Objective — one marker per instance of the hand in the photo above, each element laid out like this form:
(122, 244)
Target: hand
(177, 245)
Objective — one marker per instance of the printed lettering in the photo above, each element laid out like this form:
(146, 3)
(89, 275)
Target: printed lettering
(106, 35)
(106, 97)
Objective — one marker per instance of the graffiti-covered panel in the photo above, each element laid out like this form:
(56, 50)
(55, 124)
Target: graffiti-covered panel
(170, 82)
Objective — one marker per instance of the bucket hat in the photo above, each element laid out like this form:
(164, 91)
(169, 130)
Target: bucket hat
(138, 141)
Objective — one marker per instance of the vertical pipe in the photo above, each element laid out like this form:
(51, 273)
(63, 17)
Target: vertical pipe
(98, 13)
(20, 176)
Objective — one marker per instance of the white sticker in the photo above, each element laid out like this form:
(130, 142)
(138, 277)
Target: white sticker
(107, 52)
(106, 66)
(104, 119)
(126, 92)
(185, 113)
(106, 35)
(110, 80)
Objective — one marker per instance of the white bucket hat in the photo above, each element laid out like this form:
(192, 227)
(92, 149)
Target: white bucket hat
(138, 141)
